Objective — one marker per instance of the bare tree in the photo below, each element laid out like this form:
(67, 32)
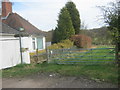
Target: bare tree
(111, 16)
(83, 26)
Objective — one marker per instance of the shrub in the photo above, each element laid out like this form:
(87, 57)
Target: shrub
(54, 46)
(81, 41)
(63, 44)
(67, 43)
(39, 52)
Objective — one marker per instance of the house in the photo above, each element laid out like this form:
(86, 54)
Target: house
(10, 48)
(36, 38)
(16, 45)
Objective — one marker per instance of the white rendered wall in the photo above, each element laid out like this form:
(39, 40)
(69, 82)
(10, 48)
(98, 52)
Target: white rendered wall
(44, 43)
(10, 52)
(31, 44)
(26, 44)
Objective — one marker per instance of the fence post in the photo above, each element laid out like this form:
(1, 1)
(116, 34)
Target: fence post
(37, 54)
(47, 54)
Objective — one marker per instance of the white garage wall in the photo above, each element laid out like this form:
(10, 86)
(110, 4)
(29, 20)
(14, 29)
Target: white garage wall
(10, 52)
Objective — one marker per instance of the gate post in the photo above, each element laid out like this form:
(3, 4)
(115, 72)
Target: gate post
(47, 54)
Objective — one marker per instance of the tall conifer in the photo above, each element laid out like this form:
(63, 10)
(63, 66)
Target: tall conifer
(75, 16)
(64, 28)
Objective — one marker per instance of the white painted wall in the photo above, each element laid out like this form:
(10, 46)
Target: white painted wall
(26, 57)
(27, 41)
(10, 51)
(44, 43)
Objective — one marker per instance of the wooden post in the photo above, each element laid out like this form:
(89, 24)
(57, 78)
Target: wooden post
(47, 53)
(37, 54)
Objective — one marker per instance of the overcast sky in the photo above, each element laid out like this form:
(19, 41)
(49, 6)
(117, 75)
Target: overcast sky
(44, 13)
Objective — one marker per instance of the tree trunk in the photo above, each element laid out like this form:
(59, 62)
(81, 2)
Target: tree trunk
(117, 57)
(117, 53)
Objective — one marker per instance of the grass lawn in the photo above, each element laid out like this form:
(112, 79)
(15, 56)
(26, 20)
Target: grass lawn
(108, 73)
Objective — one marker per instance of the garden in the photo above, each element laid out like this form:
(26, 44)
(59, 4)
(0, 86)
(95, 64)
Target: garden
(107, 71)
(73, 53)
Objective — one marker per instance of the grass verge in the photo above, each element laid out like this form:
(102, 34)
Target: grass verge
(107, 73)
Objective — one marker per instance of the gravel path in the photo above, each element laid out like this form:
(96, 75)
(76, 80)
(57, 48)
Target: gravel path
(53, 81)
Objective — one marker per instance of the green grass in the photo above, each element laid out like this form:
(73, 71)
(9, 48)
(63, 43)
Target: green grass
(105, 46)
(108, 73)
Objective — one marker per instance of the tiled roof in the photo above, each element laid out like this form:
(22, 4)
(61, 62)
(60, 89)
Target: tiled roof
(16, 21)
(7, 29)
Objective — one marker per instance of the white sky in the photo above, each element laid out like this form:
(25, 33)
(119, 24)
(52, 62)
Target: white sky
(44, 13)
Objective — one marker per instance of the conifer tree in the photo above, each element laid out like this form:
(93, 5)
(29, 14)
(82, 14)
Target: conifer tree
(56, 35)
(64, 28)
(74, 14)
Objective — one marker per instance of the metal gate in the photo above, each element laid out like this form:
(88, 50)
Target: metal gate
(82, 56)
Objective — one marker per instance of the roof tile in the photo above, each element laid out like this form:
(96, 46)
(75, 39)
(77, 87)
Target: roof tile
(16, 21)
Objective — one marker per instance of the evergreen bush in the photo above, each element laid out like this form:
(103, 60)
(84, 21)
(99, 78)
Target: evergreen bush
(63, 44)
